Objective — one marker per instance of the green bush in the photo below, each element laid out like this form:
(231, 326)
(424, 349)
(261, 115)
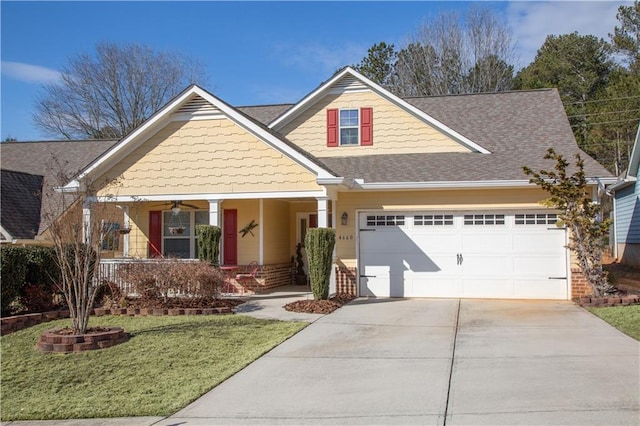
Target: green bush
(319, 243)
(209, 243)
(13, 271)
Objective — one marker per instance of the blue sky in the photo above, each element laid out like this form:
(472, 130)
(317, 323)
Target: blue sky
(253, 52)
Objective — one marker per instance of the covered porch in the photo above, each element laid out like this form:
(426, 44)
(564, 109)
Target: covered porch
(259, 233)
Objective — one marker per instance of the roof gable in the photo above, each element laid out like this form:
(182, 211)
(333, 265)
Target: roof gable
(350, 80)
(195, 103)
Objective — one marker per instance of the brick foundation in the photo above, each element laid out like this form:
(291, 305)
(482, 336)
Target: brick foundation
(579, 285)
(346, 280)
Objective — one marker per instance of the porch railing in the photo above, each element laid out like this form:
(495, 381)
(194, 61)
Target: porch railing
(108, 271)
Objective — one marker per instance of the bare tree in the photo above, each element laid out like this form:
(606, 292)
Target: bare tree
(450, 55)
(77, 232)
(108, 94)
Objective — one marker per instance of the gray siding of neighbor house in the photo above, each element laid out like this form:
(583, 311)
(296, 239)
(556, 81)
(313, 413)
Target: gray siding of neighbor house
(628, 214)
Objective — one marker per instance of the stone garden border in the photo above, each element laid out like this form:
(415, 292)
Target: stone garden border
(632, 299)
(51, 341)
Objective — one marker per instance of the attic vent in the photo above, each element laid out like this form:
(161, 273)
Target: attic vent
(349, 83)
(198, 106)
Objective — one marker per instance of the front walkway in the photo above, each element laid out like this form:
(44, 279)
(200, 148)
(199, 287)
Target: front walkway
(269, 304)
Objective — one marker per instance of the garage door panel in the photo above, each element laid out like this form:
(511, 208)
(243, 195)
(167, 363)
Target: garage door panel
(434, 285)
(540, 289)
(540, 265)
(490, 287)
(437, 242)
(488, 241)
(486, 264)
(544, 240)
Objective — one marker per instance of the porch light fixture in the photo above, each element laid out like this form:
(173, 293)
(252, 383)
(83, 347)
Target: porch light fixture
(344, 219)
(175, 209)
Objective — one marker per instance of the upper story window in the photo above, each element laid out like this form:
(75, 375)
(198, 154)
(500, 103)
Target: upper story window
(350, 127)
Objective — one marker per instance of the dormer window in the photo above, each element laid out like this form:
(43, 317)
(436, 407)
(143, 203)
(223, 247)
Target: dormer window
(350, 127)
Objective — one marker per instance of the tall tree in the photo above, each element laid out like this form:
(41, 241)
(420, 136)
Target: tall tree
(451, 55)
(108, 94)
(579, 67)
(378, 64)
(626, 37)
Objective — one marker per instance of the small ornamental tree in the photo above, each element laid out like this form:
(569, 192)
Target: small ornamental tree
(319, 243)
(570, 195)
(209, 243)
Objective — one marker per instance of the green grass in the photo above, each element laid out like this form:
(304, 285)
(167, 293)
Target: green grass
(624, 318)
(167, 363)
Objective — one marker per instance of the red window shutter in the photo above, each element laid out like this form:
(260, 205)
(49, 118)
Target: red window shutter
(332, 127)
(155, 234)
(366, 126)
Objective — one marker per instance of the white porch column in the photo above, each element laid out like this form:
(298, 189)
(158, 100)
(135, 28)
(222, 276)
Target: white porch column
(261, 233)
(87, 202)
(322, 212)
(126, 223)
(214, 212)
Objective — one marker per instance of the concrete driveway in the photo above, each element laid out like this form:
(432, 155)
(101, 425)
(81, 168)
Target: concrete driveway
(437, 361)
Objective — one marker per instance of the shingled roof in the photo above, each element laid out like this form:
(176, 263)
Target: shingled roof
(40, 158)
(516, 127)
(21, 195)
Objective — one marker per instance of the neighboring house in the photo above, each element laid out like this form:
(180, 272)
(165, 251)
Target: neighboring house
(30, 170)
(426, 194)
(21, 199)
(626, 210)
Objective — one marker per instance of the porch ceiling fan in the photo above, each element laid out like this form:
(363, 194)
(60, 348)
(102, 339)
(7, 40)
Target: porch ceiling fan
(176, 204)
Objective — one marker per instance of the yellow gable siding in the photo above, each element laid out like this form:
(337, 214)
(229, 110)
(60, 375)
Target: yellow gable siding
(395, 131)
(207, 156)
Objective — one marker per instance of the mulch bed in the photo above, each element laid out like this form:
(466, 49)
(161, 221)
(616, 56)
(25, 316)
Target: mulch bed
(177, 303)
(319, 306)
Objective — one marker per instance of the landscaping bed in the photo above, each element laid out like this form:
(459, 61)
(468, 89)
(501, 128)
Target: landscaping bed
(319, 306)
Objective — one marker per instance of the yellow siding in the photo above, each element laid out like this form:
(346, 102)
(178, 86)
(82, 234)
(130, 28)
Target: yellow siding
(275, 225)
(208, 156)
(444, 201)
(395, 131)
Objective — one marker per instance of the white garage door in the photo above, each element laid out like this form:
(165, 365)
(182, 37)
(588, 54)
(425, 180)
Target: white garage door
(513, 255)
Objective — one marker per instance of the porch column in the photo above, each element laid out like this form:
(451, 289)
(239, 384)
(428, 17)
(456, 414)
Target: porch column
(87, 202)
(261, 233)
(126, 223)
(322, 212)
(214, 212)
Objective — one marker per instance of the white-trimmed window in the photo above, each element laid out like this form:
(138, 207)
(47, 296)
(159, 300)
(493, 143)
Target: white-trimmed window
(178, 232)
(110, 236)
(349, 127)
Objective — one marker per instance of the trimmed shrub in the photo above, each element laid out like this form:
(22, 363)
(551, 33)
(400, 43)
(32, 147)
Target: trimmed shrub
(13, 270)
(319, 243)
(209, 243)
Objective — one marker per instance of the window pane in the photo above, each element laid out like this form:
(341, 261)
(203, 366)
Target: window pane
(202, 217)
(349, 136)
(176, 247)
(348, 117)
(174, 222)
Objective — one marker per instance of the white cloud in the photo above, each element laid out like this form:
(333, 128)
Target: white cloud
(531, 22)
(321, 58)
(29, 73)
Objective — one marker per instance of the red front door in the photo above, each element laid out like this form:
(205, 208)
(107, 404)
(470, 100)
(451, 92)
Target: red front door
(230, 237)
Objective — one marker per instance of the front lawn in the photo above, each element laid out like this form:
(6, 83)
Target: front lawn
(168, 362)
(624, 318)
